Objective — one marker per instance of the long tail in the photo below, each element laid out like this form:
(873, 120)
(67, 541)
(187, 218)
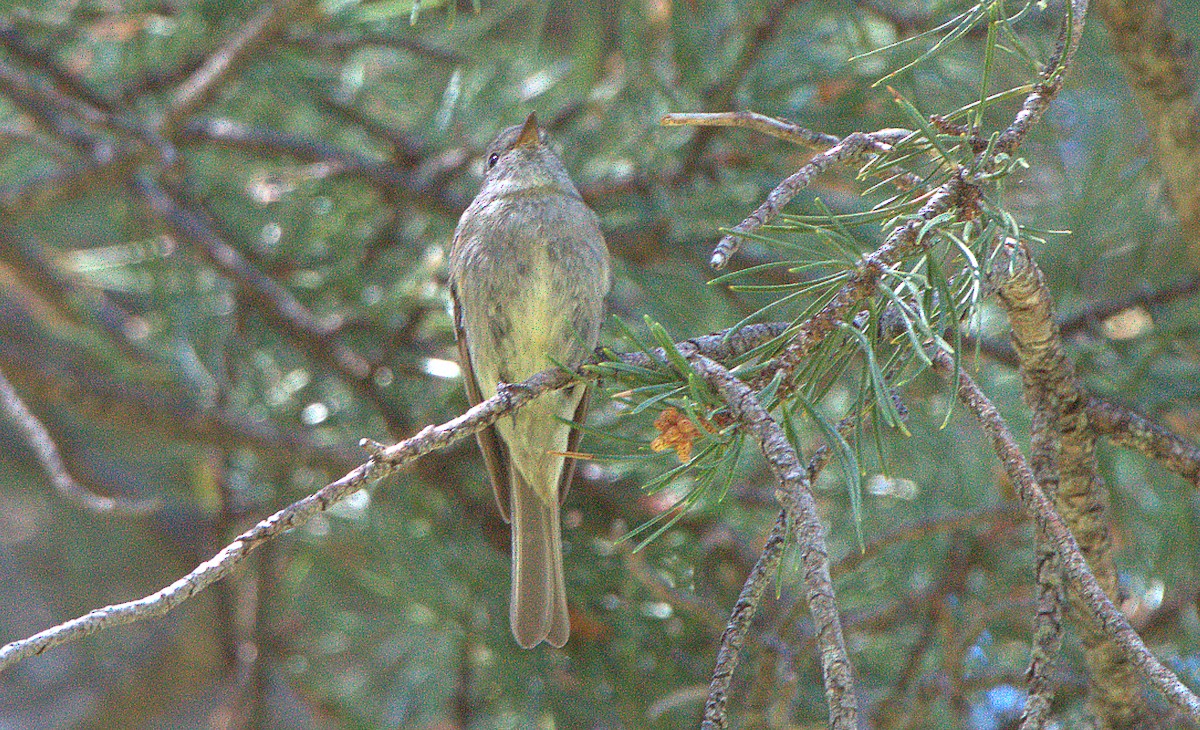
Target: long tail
(537, 610)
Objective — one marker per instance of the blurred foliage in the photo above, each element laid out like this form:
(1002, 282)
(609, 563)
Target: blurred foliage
(360, 127)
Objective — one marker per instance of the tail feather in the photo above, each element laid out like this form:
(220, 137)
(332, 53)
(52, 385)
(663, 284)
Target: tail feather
(538, 607)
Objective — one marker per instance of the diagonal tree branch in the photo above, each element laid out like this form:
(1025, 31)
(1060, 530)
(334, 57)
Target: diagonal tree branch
(384, 461)
(1100, 611)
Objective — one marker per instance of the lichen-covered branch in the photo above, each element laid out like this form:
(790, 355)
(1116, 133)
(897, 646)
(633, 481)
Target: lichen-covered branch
(734, 636)
(1131, 430)
(1047, 636)
(384, 461)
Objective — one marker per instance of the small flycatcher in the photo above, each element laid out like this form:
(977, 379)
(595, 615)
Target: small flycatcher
(529, 271)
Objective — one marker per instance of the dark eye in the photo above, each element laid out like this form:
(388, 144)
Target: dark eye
(492, 159)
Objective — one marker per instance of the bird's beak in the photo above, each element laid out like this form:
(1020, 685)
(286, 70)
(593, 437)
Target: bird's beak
(529, 133)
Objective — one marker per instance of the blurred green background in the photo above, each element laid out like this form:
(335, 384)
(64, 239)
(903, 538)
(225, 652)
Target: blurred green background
(335, 160)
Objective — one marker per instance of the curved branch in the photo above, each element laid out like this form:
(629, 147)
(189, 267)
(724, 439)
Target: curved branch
(46, 451)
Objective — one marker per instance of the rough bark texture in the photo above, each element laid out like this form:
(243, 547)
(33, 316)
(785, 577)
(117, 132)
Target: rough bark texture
(1064, 462)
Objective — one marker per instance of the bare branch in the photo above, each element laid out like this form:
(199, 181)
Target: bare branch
(878, 143)
(1047, 636)
(384, 461)
(778, 128)
(850, 148)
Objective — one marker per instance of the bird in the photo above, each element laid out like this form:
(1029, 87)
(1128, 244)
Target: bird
(529, 272)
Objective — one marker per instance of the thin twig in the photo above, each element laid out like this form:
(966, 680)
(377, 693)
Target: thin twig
(1053, 76)
(878, 143)
(850, 148)
(778, 128)
(46, 451)
(847, 149)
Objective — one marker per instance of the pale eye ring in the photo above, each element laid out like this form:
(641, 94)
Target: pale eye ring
(492, 158)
